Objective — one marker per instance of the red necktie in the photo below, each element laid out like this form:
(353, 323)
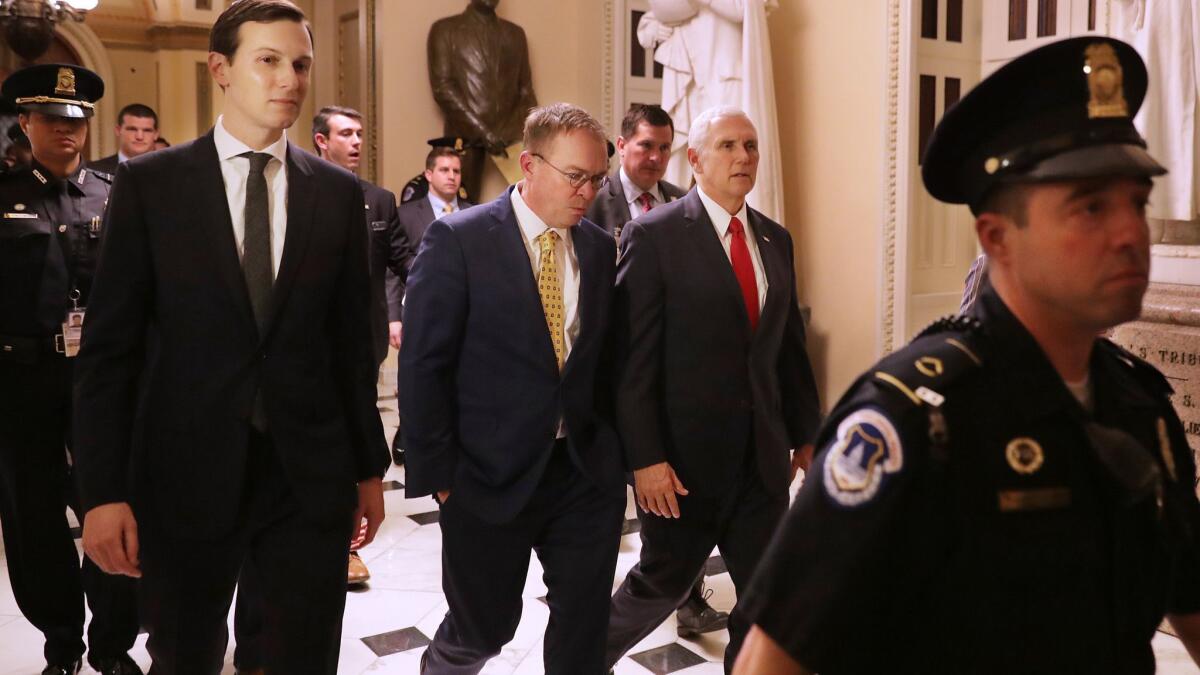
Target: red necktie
(647, 204)
(743, 269)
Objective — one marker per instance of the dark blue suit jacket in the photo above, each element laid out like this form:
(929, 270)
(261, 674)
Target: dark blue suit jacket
(480, 392)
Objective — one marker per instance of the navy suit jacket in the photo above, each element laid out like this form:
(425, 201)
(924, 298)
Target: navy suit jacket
(480, 391)
(697, 388)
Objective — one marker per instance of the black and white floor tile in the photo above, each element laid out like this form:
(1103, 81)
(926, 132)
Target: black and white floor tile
(390, 621)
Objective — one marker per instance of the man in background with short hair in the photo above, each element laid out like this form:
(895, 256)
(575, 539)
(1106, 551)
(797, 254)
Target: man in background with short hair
(136, 131)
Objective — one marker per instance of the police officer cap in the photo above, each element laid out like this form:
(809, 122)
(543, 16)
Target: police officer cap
(1060, 112)
(448, 142)
(54, 89)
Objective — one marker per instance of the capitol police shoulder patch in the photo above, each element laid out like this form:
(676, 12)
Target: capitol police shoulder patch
(866, 450)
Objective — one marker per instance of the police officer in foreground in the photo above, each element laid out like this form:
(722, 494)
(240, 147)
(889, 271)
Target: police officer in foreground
(1009, 493)
(50, 215)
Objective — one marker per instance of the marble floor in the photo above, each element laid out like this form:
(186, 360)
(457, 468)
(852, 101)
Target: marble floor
(388, 623)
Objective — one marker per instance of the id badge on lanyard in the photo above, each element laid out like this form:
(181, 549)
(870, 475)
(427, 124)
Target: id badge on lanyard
(72, 327)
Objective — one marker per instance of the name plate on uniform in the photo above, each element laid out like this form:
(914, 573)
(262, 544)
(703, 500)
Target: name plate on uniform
(1038, 499)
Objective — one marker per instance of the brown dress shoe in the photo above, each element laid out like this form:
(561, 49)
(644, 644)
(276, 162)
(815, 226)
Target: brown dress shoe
(357, 572)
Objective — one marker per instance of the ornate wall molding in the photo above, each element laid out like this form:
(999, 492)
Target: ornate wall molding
(370, 90)
(892, 187)
(608, 82)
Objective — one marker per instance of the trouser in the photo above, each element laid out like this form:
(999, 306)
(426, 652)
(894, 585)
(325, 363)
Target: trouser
(35, 491)
(739, 524)
(575, 530)
(187, 585)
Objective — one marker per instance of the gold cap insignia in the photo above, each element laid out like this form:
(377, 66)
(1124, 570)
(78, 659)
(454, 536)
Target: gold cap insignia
(462, 193)
(992, 165)
(1024, 455)
(1105, 82)
(66, 82)
(458, 144)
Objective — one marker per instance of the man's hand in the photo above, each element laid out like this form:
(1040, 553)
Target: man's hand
(761, 654)
(394, 330)
(656, 487)
(110, 539)
(442, 496)
(370, 506)
(801, 460)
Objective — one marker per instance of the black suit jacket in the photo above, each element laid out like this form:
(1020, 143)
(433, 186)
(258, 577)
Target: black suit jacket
(697, 388)
(610, 210)
(480, 391)
(106, 164)
(391, 251)
(415, 217)
(171, 358)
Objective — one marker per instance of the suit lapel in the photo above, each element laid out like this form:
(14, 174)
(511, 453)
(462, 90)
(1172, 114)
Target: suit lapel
(712, 253)
(204, 180)
(588, 288)
(513, 256)
(426, 209)
(775, 271)
(301, 199)
(619, 205)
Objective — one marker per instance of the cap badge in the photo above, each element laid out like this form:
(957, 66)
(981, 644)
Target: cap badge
(458, 144)
(66, 82)
(1105, 82)
(1024, 455)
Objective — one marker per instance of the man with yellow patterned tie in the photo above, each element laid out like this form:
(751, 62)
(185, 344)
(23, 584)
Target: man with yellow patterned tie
(504, 406)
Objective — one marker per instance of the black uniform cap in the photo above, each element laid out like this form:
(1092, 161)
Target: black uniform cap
(54, 89)
(1063, 111)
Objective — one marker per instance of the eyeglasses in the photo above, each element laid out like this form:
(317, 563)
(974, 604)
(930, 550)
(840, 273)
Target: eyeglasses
(578, 178)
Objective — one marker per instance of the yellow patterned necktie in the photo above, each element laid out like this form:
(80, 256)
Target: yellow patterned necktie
(550, 289)
(448, 208)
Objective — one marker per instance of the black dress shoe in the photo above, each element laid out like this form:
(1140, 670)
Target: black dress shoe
(696, 616)
(120, 665)
(71, 668)
(398, 456)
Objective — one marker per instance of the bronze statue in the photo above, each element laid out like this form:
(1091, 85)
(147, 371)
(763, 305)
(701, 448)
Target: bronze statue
(479, 72)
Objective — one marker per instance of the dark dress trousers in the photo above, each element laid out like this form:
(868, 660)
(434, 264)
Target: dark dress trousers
(723, 404)
(481, 398)
(171, 365)
(611, 208)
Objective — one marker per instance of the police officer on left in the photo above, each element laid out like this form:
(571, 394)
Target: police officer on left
(50, 215)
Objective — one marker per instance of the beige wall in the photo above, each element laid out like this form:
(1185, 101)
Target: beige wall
(565, 44)
(829, 62)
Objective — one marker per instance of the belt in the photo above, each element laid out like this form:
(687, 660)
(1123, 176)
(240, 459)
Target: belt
(26, 349)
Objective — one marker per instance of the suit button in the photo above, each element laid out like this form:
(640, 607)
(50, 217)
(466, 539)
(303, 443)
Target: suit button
(262, 355)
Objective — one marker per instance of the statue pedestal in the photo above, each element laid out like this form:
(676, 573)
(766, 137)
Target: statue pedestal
(1168, 336)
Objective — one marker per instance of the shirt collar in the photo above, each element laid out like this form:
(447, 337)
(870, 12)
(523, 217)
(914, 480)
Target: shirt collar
(121, 158)
(632, 192)
(720, 218)
(531, 225)
(438, 203)
(229, 147)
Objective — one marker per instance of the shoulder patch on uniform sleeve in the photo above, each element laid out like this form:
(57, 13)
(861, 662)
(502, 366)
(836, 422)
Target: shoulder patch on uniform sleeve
(865, 451)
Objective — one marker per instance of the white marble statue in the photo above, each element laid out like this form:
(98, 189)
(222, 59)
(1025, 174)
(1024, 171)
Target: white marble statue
(718, 52)
(1167, 35)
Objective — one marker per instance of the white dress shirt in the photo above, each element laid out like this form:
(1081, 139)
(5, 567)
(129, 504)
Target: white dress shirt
(720, 220)
(633, 195)
(235, 170)
(438, 204)
(532, 227)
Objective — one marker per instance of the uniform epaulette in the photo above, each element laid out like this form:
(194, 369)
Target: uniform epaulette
(957, 323)
(102, 175)
(1143, 370)
(926, 367)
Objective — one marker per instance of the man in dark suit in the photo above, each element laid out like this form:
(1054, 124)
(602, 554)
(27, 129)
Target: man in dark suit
(137, 131)
(504, 408)
(226, 386)
(715, 388)
(443, 178)
(637, 185)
